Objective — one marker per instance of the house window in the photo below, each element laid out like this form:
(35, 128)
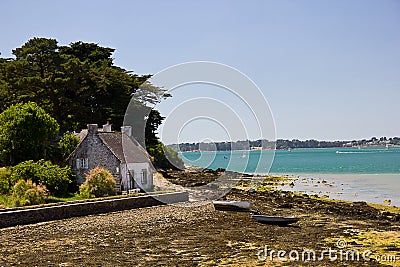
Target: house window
(144, 176)
(82, 163)
(85, 163)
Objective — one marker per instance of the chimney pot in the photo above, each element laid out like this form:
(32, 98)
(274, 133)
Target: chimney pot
(107, 127)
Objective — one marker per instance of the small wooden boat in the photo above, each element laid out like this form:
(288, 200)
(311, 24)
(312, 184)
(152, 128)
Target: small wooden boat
(232, 205)
(277, 220)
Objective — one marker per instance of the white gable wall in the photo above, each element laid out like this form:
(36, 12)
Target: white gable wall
(137, 170)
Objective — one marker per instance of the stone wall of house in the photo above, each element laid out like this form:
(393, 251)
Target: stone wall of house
(41, 214)
(93, 149)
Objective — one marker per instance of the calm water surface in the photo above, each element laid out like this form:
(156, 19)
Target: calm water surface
(368, 174)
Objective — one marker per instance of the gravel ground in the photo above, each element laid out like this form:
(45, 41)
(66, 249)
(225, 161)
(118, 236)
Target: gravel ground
(197, 235)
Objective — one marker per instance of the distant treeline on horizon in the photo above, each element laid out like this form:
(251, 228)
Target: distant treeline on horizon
(282, 144)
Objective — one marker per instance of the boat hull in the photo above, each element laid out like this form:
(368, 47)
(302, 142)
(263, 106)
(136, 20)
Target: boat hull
(232, 205)
(277, 220)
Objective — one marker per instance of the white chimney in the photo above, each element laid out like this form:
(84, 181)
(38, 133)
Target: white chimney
(107, 127)
(127, 130)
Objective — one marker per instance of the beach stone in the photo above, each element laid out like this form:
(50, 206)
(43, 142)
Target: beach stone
(251, 191)
(286, 206)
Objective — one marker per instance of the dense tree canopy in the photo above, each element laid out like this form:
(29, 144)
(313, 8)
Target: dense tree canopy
(25, 132)
(67, 145)
(76, 84)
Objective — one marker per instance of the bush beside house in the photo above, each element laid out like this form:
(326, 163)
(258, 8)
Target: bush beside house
(56, 179)
(5, 182)
(27, 193)
(99, 183)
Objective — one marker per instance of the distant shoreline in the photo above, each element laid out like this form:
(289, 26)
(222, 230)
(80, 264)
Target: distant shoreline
(300, 148)
(281, 144)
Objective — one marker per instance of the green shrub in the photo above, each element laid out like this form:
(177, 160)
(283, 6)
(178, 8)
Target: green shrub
(99, 183)
(25, 132)
(55, 178)
(5, 182)
(5, 201)
(27, 193)
(67, 144)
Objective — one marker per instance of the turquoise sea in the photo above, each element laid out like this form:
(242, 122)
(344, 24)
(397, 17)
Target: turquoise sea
(366, 174)
(330, 160)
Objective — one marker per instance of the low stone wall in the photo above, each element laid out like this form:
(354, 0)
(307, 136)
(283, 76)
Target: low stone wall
(35, 215)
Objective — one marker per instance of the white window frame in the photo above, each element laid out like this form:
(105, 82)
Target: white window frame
(82, 163)
(144, 176)
(86, 163)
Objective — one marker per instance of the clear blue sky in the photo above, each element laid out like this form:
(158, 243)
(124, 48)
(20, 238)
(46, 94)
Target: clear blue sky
(329, 69)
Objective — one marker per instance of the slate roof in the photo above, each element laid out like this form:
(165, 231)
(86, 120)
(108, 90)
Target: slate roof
(120, 143)
(134, 152)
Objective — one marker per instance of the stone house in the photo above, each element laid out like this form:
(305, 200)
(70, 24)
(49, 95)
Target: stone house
(117, 152)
